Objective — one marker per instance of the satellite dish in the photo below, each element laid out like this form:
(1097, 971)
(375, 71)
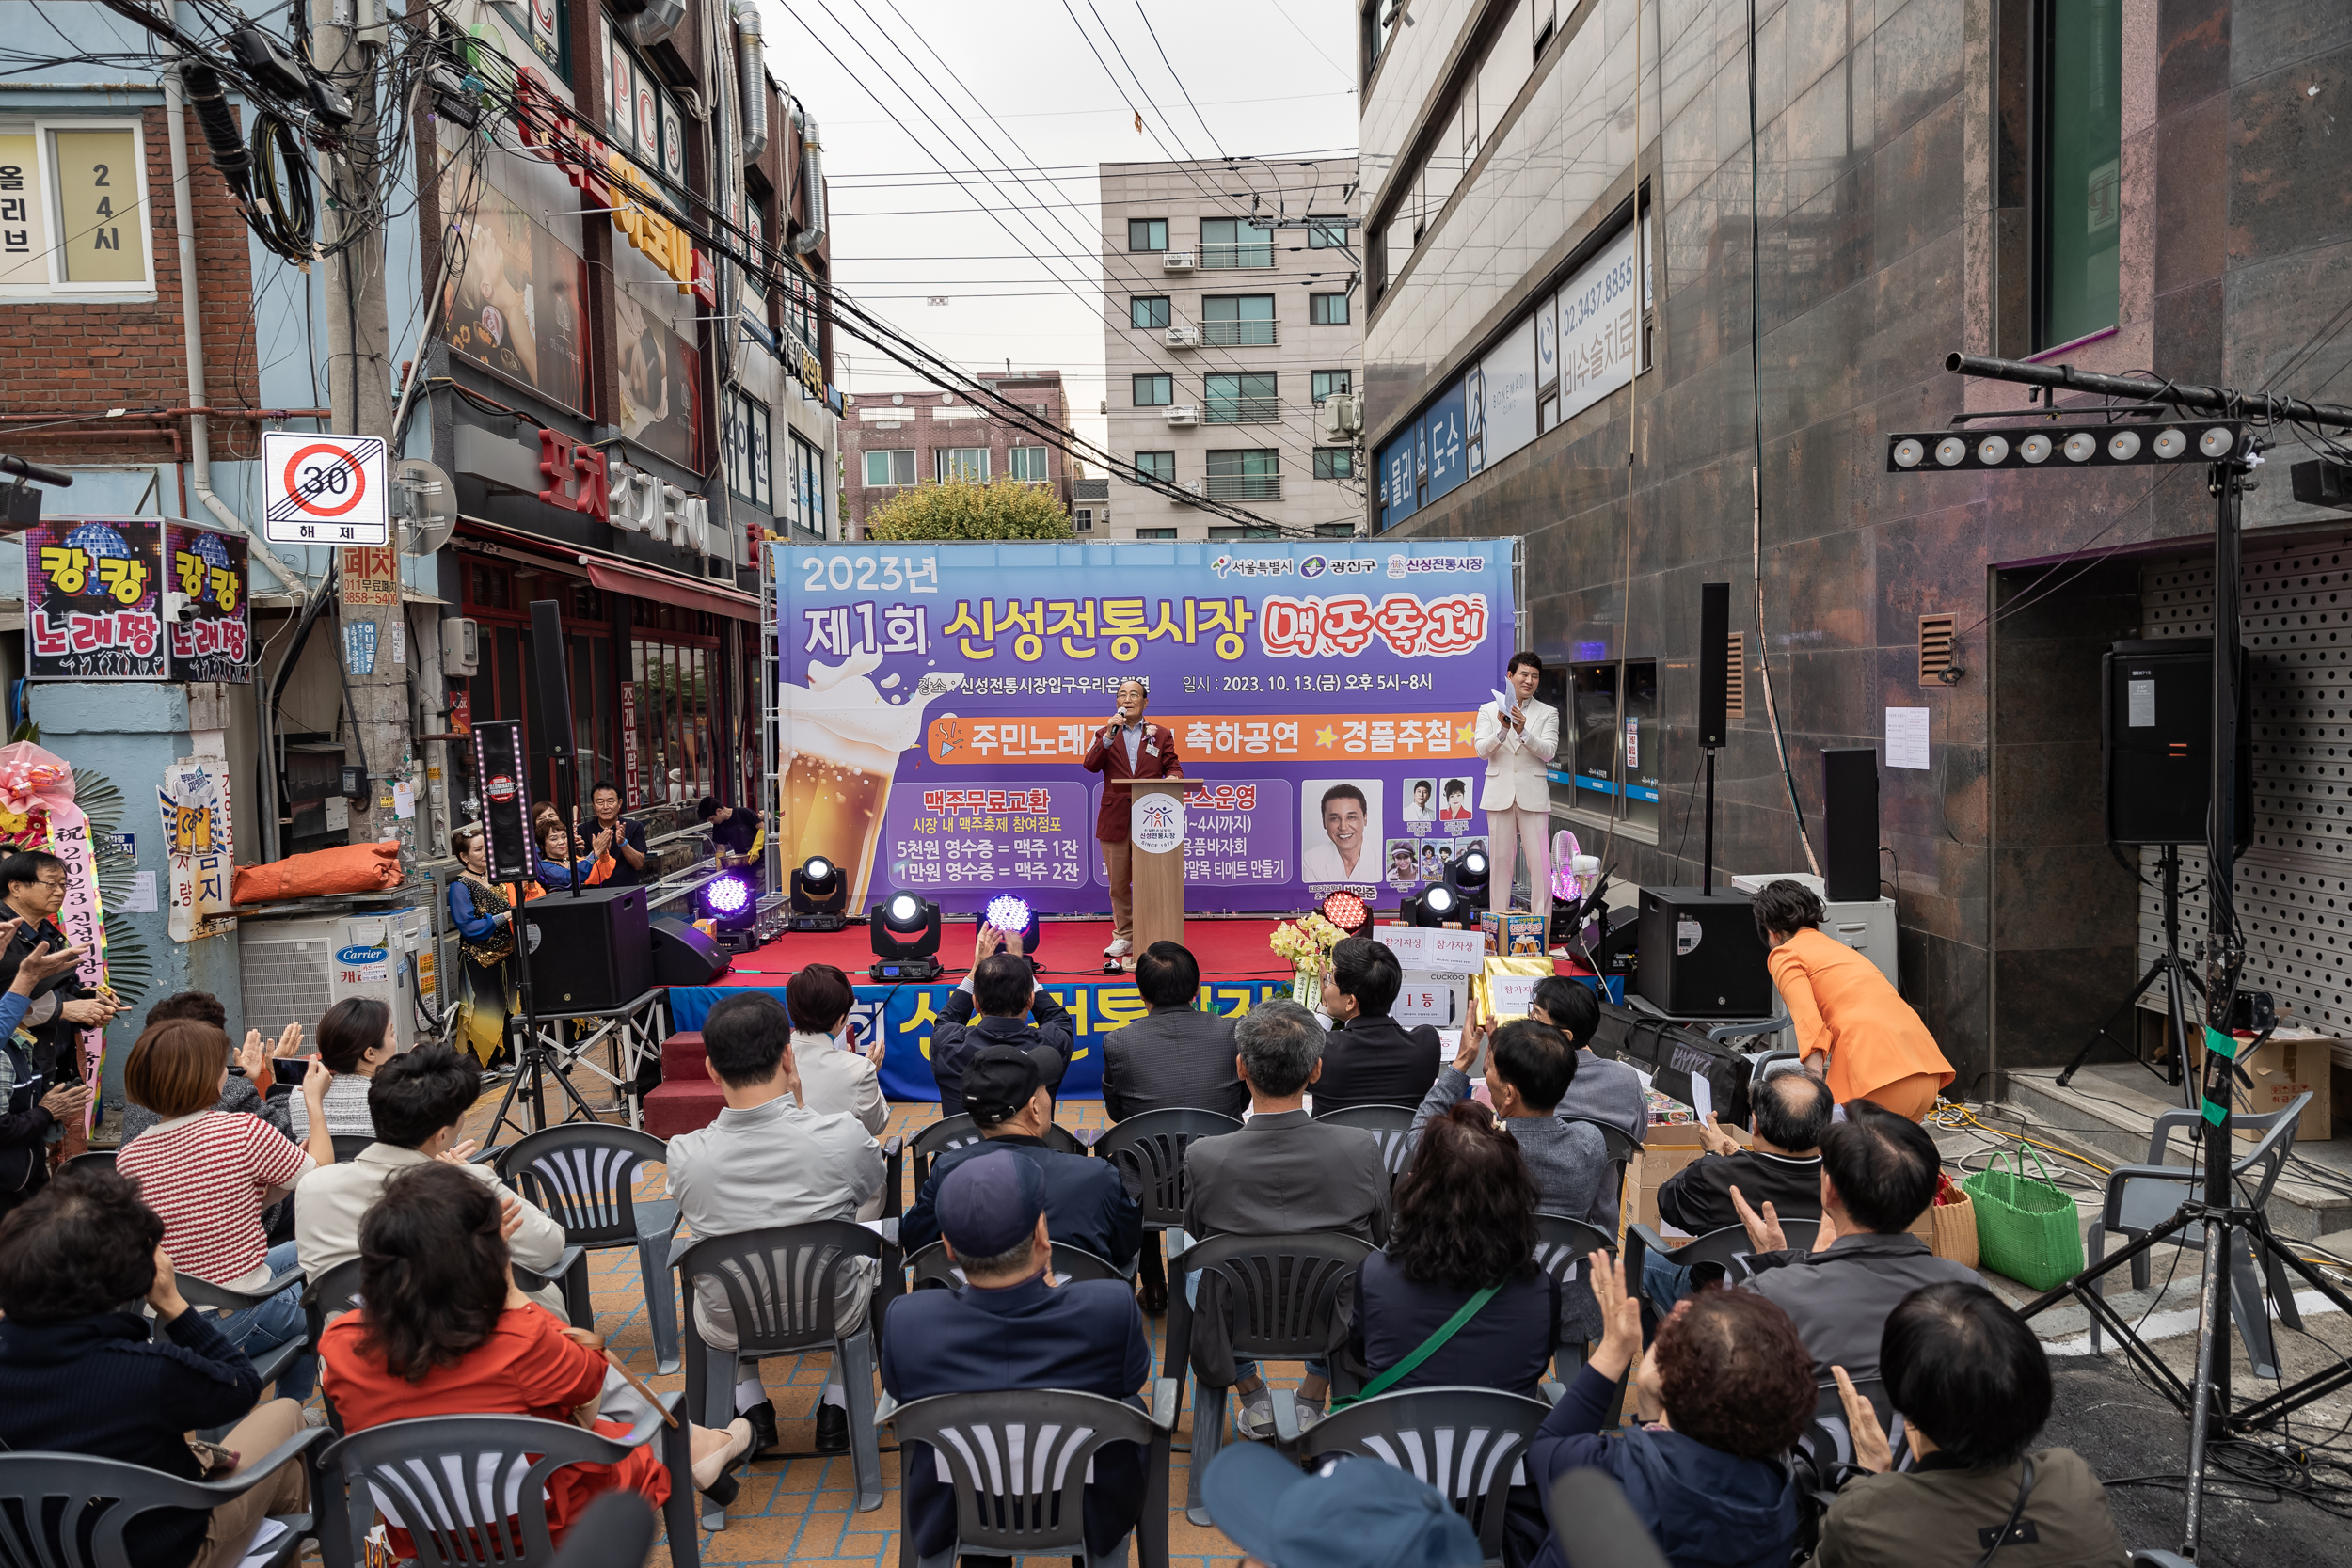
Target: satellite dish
(423, 496)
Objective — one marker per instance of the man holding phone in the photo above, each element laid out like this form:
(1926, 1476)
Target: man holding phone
(34, 1109)
(1013, 1011)
(1126, 747)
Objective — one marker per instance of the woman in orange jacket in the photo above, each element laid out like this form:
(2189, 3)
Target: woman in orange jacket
(1845, 1011)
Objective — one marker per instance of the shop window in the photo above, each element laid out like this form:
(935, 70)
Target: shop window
(1610, 742)
(2080, 123)
(73, 210)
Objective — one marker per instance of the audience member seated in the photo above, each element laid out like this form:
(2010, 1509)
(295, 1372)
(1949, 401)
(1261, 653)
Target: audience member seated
(836, 1076)
(1013, 1011)
(1602, 1090)
(1724, 1392)
(1345, 1511)
(767, 1160)
(1371, 1060)
(1283, 1174)
(1528, 1067)
(211, 1173)
(1972, 1386)
(33, 1108)
(1087, 1204)
(415, 1102)
(444, 1332)
(81, 1374)
(1877, 1177)
(356, 1038)
(262, 1095)
(1009, 1327)
(1782, 1167)
(1174, 1057)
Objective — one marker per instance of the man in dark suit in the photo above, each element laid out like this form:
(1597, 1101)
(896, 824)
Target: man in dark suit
(1007, 1329)
(1087, 1205)
(1175, 1057)
(1003, 987)
(1371, 1060)
(1126, 747)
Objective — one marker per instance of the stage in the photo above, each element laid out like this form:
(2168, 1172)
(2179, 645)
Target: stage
(1237, 970)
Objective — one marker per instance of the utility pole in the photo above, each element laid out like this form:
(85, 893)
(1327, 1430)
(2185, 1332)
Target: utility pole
(372, 623)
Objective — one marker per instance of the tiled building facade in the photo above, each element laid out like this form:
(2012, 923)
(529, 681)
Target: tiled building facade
(894, 441)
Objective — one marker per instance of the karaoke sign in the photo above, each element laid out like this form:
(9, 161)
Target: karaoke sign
(938, 702)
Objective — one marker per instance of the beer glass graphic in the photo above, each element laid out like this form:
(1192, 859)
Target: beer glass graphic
(842, 739)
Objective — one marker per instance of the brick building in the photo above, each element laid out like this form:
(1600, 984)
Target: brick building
(892, 441)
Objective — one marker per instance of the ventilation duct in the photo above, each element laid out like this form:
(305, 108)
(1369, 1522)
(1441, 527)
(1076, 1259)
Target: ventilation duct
(813, 186)
(657, 21)
(750, 64)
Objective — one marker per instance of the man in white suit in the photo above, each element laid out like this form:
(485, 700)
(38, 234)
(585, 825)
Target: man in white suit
(1518, 740)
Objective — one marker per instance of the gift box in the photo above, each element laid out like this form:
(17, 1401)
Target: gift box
(1514, 935)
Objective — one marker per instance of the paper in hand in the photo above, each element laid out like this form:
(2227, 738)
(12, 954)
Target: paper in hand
(1507, 703)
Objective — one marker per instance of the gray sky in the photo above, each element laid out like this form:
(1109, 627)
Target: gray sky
(1264, 77)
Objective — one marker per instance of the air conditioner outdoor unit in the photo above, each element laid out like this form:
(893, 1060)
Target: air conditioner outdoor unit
(1338, 417)
(1183, 336)
(292, 971)
(1176, 260)
(1183, 414)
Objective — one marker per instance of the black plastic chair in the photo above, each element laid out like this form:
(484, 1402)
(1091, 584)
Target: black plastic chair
(781, 1285)
(220, 1298)
(98, 1159)
(929, 1268)
(1561, 1244)
(1621, 1147)
(1391, 1124)
(615, 1531)
(1043, 1440)
(1279, 1295)
(1471, 1444)
(956, 1131)
(1827, 1443)
(583, 1176)
(1148, 1150)
(69, 1509)
(452, 1480)
(1728, 1248)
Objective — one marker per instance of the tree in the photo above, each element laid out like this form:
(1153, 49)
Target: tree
(1008, 509)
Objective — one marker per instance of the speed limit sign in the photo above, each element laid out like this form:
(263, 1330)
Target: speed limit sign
(323, 489)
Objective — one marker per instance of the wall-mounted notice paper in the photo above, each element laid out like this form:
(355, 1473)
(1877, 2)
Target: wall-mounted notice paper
(1907, 738)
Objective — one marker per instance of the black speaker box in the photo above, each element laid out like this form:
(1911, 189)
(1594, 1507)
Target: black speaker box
(1701, 955)
(551, 692)
(2156, 747)
(1715, 663)
(1850, 825)
(590, 952)
(682, 956)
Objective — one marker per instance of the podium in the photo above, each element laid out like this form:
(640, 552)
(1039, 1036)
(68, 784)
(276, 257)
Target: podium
(1156, 839)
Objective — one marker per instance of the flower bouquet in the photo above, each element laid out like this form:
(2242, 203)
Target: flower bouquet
(1307, 943)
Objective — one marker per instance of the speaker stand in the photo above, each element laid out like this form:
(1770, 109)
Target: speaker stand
(2179, 979)
(534, 1058)
(1706, 840)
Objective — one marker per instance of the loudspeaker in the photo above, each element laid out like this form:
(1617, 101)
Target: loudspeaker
(1701, 955)
(1850, 825)
(506, 784)
(1715, 663)
(2156, 734)
(592, 951)
(682, 956)
(551, 682)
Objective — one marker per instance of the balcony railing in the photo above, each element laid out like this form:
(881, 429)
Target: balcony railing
(1249, 334)
(1244, 487)
(1228, 258)
(1242, 410)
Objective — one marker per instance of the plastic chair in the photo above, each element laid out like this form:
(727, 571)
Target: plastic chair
(220, 1298)
(1391, 1124)
(1279, 1295)
(103, 1159)
(69, 1509)
(1044, 1441)
(1728, 1248)
(1561, 1245)
(955, 1131)
(584, 1176)
(1148, 1150)
(615, 1531)
(781, 1284)
(2141, 1198)
(1827, 1443)
(348, 1144)
(450, 1479)
(931, 1268)
(1471, 1444)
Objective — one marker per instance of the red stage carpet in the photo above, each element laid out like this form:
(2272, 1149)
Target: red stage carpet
(1066, 950)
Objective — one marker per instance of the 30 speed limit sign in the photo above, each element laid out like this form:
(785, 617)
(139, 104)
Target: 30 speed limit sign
(323, 489)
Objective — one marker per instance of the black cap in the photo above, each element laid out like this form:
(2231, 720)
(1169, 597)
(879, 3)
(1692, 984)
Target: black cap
(1000, 1081)
(986, 1206)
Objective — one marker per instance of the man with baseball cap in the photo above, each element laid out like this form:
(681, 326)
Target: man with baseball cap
(1087, 1205)
(1009, 1327)
(1345, 1513)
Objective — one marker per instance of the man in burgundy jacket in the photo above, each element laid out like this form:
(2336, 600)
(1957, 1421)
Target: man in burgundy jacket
(1126, 747)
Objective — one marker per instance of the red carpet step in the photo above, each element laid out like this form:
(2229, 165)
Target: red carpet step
(688, 1100)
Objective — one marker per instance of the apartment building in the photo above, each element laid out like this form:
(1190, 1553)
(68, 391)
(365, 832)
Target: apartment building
(1090, 508)
(893, 441)
(1232, 302)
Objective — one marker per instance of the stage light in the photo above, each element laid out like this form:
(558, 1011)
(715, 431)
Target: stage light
(2217, 441)
(1014, 918)
(1908, 452)
(2097, 446)
(2124, 445)
(1438, 905)
(820, 896)
(1346, 911)
(1470, 877)
(904, 929)
(1991, 449)
(2081, 447)
(2172, 443)
(730, 901)
(1951, 450)
(2034, 449)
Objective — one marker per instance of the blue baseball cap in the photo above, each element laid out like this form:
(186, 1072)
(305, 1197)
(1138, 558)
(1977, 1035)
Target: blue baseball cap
(986, 1206)
(1346, 1513)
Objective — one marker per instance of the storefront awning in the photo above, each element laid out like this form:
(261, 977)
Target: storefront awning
(666, 588)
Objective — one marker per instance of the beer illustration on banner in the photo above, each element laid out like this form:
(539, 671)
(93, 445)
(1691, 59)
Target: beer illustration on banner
(843, 736)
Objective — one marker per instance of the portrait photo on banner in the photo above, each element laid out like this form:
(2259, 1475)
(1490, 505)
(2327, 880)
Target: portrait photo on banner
(1339, 832)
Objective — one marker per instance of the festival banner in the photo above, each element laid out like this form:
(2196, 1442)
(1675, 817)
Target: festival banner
(937, 703)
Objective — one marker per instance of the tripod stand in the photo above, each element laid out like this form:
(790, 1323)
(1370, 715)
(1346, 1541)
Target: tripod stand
(2177, 976)
(534, 1058)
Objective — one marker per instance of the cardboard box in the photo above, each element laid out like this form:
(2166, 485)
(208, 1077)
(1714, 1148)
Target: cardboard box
(2292, 1062)
(1520, 935)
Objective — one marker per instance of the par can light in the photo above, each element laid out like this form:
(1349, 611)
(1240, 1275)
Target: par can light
(2081, 447)
(2124, 445)
(1951, 451)
(1908, 452)
(2100, 446)
(2217, 441)
(2034, 449)
(2172, 443)
(1346, 911)
(1991, 450)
